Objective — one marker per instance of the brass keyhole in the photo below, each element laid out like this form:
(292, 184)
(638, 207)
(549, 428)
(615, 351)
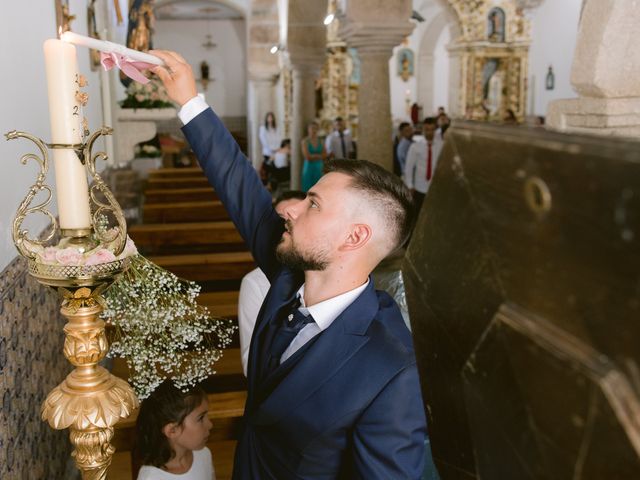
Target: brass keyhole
(537, 195)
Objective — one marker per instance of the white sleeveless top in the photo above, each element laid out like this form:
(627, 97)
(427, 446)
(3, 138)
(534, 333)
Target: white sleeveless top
(201, 469)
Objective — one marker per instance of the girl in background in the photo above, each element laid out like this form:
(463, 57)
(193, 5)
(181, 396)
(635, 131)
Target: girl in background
(172, 430)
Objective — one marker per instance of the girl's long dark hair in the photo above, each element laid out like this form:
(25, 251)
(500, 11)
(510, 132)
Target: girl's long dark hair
(167, 404)
(266, 121)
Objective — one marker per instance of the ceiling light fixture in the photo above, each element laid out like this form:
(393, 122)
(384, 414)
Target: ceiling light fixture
(329, 18)
(275, 49)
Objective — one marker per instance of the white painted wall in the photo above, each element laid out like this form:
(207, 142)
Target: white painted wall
(227, 94)
(23, 97)
(441, 78)
(554, 31)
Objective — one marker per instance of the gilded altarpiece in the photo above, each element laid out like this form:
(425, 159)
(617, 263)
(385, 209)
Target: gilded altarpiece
(339, 81)
(492, 54)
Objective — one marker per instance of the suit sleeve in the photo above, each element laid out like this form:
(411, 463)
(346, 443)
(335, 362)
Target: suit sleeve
(389, 439)
(410, 166)
(238, 186)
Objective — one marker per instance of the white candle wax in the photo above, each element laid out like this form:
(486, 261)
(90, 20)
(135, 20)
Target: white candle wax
(65, 117)
(110, 47)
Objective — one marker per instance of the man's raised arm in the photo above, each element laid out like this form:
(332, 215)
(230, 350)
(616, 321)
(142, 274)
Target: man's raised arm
(228, 170)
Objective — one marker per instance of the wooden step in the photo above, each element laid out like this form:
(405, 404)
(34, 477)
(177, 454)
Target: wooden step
(175, 172)
(209, 211)
(201, 194)
(208, 266)
(221, 451)
(169, 238)
(220, 304)
(168, 183)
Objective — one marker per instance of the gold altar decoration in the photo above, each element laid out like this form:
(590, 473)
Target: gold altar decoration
(491, 54)
(339, 87)
(90, 401)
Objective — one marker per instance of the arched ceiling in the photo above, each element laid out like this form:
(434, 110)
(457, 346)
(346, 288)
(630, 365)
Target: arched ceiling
(200, 9)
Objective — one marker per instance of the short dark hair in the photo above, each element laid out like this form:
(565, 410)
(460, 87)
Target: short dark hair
(285, 142)
(403, 125)
(288, 195)
(389, 194)
(338, 119)
(167, 404)
(430, 121)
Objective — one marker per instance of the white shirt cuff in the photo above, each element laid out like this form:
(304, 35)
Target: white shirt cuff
(192, 109)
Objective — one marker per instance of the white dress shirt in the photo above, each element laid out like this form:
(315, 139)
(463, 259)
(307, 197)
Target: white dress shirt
(192, 109)
(324, 314)
(333, 145)
(415, 170)
(253, 290)
(269, 139)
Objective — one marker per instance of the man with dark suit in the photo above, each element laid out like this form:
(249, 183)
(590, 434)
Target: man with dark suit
(333, 386)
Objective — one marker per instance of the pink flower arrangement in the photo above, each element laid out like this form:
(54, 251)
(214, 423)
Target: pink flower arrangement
(69, 256)
(101, 255)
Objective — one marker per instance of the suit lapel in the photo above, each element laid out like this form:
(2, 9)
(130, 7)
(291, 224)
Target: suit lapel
(335, 346)
(281, 294)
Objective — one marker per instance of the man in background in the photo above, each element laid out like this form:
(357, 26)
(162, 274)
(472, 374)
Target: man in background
(339, 143)
(421, 161)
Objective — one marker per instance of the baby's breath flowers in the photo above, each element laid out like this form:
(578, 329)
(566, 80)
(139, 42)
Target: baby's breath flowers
(160, 330)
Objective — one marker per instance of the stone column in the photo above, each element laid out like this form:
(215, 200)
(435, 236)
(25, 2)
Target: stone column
(375, 47)
(605, 73)
(304, 112)
(261, 94)
(375, 28)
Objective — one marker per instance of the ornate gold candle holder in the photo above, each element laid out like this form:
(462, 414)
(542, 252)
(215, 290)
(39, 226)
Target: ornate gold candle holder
(90, 401)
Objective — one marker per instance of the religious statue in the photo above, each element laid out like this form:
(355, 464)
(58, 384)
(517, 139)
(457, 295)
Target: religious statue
(405, 63)
(141, 23)
(496, 25)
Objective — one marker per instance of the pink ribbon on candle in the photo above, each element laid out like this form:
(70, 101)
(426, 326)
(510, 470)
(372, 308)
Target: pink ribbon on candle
(131, 68)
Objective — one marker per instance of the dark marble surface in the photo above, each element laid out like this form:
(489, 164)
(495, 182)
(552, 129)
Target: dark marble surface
(526, 314)
(31, 364)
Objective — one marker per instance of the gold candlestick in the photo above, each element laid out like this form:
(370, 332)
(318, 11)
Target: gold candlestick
(90, 401)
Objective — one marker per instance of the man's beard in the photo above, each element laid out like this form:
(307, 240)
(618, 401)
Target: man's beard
(291, 257)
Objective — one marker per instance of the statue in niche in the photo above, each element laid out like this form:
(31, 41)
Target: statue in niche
(494, 97)
(141, 23)
(496, 25)
(405, 64)
(353, 61)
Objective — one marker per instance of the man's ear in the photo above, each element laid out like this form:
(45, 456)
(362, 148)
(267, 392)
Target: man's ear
(171, 430)
(358, 237)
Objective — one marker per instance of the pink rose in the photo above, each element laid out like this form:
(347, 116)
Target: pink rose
(139, 97)
(49, 255)
(69, 256)
(130, 248)
(100, 256)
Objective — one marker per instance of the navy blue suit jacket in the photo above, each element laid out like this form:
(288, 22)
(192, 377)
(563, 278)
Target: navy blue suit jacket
(350, 405)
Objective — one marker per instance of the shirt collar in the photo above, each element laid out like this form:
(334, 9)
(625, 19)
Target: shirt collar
(325, 312)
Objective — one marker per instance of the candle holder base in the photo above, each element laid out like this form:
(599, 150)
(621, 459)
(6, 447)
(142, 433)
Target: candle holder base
(90, 401)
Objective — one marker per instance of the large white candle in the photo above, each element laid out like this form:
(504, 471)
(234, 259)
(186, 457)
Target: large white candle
(110, 47)
(65, 116)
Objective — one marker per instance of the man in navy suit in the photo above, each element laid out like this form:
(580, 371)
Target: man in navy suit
(333, 386)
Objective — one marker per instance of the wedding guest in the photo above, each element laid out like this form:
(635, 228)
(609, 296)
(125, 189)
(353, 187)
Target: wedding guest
(280, 173)
(172, 431)
(255, 285)
(405, 134)
(339, 143)
(269, 140)
(314, 155)
(421, 161)
(333, 388)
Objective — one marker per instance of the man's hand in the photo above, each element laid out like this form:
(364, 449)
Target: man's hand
(176, 76)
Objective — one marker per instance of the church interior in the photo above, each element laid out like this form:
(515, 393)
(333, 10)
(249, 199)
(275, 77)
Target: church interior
(520, 283)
